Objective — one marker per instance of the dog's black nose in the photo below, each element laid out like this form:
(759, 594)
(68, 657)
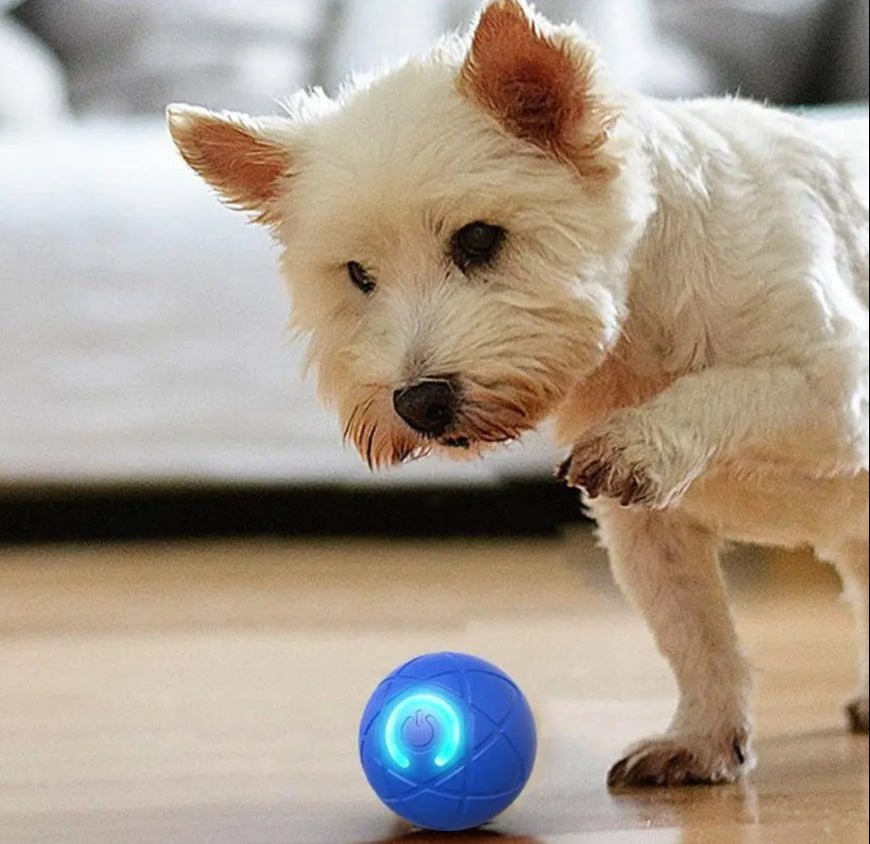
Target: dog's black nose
(428, 407)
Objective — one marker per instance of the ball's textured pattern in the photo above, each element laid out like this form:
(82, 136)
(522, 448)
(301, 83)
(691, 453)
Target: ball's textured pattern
(447, 741)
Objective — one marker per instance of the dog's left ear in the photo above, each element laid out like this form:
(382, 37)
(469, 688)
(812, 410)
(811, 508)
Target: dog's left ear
(247, 161)
(539, 85)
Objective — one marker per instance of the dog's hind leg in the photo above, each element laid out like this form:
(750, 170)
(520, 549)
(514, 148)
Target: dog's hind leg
(668, 566)
(851, 561)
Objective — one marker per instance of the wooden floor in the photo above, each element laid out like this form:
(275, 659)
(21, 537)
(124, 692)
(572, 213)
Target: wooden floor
(211, 692)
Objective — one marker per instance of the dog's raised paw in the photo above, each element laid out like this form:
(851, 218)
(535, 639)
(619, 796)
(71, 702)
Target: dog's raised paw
(858, 714)
(674, 761)
(601, 465)
(632, 460)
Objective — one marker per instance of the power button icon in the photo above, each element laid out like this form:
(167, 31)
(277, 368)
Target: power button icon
(418, 730)
(423, 725)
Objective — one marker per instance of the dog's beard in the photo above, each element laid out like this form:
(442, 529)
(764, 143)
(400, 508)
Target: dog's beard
(487, 415)
(380, 438)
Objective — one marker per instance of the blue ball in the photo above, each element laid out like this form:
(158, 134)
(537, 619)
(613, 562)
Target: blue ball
(447, 741)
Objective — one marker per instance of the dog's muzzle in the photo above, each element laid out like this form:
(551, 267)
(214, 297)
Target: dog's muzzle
(428, 407)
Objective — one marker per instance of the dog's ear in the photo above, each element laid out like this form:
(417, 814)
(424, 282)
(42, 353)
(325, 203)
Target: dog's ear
(246, 160)
(539, 83)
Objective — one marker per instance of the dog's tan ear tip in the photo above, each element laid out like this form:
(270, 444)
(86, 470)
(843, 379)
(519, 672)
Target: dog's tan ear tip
(181, 116)
(182, 111)
(182, 119)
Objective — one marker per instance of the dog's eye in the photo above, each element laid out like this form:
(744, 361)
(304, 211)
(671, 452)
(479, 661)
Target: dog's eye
(475, 245)
(360, 277)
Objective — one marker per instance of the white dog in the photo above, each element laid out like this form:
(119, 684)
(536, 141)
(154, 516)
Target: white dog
(491, 235)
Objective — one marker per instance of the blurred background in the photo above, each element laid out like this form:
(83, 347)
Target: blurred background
(147, 385)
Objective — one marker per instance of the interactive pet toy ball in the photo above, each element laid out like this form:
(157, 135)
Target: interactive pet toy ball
(447, 741)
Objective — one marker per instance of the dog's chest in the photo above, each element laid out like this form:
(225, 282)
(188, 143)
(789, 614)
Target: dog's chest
(620, 382)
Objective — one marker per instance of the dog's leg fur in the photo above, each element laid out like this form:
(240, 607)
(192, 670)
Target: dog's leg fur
(851, 561)
(668, 567)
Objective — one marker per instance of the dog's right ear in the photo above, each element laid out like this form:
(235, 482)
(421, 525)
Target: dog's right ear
(540, 83)
(246, 160)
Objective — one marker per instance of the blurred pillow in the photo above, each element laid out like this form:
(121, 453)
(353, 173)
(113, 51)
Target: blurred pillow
(128, 56)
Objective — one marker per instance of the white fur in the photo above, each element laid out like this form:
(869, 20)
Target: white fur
(748, 300)
(695, 323)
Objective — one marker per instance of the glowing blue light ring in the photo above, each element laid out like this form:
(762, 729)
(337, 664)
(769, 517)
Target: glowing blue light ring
(444, 713)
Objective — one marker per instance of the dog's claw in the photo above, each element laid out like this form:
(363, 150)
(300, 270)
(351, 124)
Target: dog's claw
(598, 478)
(676, 769)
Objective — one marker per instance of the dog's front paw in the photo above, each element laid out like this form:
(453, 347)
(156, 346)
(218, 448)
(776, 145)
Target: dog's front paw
(675, 759)
(858, 714)
(626, 461)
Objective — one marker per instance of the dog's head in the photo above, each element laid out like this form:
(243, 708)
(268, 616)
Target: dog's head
(454, 231)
